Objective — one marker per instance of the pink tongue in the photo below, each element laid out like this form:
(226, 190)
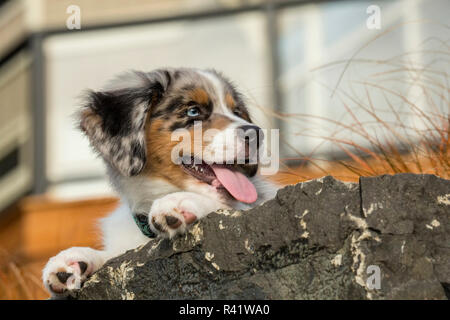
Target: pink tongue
(237, 184)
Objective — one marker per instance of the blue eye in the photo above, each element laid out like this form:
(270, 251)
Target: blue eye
(193, 112)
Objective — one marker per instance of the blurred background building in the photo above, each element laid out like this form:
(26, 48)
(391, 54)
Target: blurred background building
(288, 56)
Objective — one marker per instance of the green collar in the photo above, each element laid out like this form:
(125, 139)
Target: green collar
(142, 223)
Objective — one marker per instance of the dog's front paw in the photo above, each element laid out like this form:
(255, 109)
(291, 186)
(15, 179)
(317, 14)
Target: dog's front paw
(69, 269)
(173, 213)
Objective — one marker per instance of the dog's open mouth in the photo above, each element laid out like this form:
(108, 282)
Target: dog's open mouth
(232, 178)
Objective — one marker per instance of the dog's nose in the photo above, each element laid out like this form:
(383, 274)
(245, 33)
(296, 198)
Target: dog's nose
(252, 134)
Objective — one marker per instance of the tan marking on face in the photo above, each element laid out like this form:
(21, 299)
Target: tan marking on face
(159, 150)
(217, 121)
(199, 95)
(230, 101)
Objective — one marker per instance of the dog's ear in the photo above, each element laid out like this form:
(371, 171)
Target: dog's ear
(114, 119)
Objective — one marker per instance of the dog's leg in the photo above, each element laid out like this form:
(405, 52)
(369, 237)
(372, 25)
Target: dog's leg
(171, 214)
(70, 268)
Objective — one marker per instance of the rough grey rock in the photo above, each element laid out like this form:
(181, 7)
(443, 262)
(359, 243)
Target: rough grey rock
(321, 239)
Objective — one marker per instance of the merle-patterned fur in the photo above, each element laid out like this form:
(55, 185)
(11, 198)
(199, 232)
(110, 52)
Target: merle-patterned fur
(114, 119)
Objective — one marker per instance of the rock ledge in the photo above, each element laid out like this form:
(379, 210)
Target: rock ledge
(387, 237)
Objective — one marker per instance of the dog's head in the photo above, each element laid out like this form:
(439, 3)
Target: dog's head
(132, 123)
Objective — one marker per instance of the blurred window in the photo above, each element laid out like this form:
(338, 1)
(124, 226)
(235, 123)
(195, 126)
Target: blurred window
(317, 81)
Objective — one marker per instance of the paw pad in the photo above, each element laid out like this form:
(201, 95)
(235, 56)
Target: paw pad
(83, 266)
(173, 222)
(63, 276)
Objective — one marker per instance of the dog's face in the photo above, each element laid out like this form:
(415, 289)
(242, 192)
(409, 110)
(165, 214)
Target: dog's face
(132, 124)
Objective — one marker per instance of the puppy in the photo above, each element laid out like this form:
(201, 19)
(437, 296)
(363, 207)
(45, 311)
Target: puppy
(131, 124)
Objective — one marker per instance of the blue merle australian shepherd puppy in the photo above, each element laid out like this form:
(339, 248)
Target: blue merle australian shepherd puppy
(130, 124)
